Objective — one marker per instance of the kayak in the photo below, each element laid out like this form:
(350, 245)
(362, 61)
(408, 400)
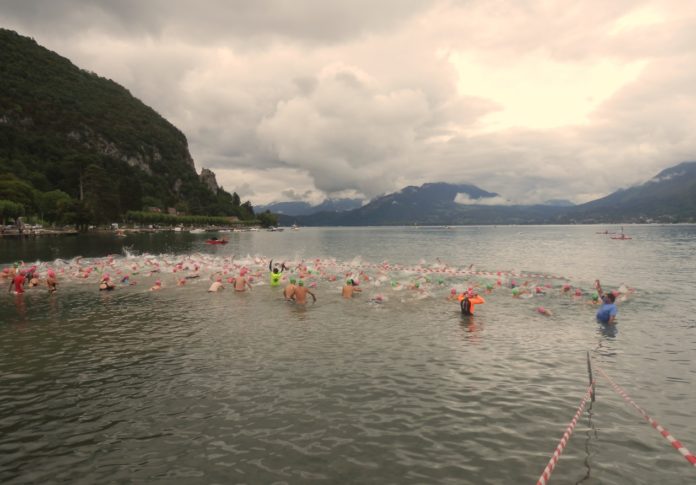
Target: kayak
(216, 241)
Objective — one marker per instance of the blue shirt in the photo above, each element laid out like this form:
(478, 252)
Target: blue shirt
(606, 311)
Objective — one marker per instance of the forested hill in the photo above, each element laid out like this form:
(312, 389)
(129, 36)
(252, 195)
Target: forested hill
(77, 148)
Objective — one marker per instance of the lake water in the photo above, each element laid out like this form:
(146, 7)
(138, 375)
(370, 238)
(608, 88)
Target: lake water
(186, 386)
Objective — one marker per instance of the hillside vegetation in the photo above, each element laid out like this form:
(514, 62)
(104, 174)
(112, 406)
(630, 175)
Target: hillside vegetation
(76, 148)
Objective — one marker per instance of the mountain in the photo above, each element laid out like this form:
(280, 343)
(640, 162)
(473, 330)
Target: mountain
(87, 142)
(304, 208)
(430, 204)
(670, 196)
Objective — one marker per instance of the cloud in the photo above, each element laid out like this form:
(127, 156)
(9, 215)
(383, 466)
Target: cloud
(465, 199)
(531, 99)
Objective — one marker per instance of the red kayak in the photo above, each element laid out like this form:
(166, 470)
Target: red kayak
(622, 237)
(216, 241)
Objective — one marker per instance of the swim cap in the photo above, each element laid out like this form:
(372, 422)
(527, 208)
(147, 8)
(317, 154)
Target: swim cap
(541, 309)
(595, 296)
(453, 291)
(158, 282)
(51, 273)
(515, 291)
(293, 280)
(300, 283)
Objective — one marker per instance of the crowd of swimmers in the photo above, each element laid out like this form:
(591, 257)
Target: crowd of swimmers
(299, 280)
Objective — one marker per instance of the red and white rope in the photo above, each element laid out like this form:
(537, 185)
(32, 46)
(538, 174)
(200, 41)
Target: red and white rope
(666, 434)
(546, 474)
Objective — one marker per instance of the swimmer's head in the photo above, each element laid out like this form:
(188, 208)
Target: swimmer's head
(158, 282)
(515, 291)
(275, 270)
(293, 281)
(51, 273)
(453, 291)
(300, 283)
(595, 296)
(611, 296)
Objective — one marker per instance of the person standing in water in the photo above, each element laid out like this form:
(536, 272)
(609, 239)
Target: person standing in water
(349, 288)
(468, 300)
(608, 311)
(275, 272)
(289, 290)
(301, 293)
(18, 282)
(241, 283)
(51, 281)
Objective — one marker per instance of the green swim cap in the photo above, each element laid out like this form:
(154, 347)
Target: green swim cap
(515, 291)
(300, 283)
(595, 296)
(293, 280)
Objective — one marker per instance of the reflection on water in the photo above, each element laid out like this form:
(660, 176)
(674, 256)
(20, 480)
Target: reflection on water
(185, 386)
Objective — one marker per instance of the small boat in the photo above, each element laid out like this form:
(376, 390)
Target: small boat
(216, 241)
(622, 236)
(197, 231)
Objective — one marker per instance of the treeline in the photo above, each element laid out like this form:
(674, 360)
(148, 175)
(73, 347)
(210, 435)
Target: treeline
(79, 149)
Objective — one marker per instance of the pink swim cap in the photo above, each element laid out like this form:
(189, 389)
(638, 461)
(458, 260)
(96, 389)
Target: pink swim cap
(541, 309)
(453, 291)
(158, 282)
(51, 273)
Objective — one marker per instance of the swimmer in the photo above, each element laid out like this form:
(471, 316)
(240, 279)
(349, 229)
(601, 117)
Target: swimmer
(349, 288)
(216, 286)
(289, 290)
(157, 286)
(608, 311)
(452, 294)
(468, 300)
(275, 273)
(18, 282)
(301, 293)
(51, 281)
(544, 311)
(106, 284)
(241, 283)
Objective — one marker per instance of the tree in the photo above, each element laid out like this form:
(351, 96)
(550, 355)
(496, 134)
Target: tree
(53, 205)
(267, 219)
(9, 209)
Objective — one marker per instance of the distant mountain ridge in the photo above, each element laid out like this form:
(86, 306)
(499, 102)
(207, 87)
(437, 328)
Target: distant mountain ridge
(293, 208)
(670, 196)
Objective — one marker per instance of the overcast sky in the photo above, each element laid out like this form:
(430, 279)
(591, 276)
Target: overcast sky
(303, 99)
